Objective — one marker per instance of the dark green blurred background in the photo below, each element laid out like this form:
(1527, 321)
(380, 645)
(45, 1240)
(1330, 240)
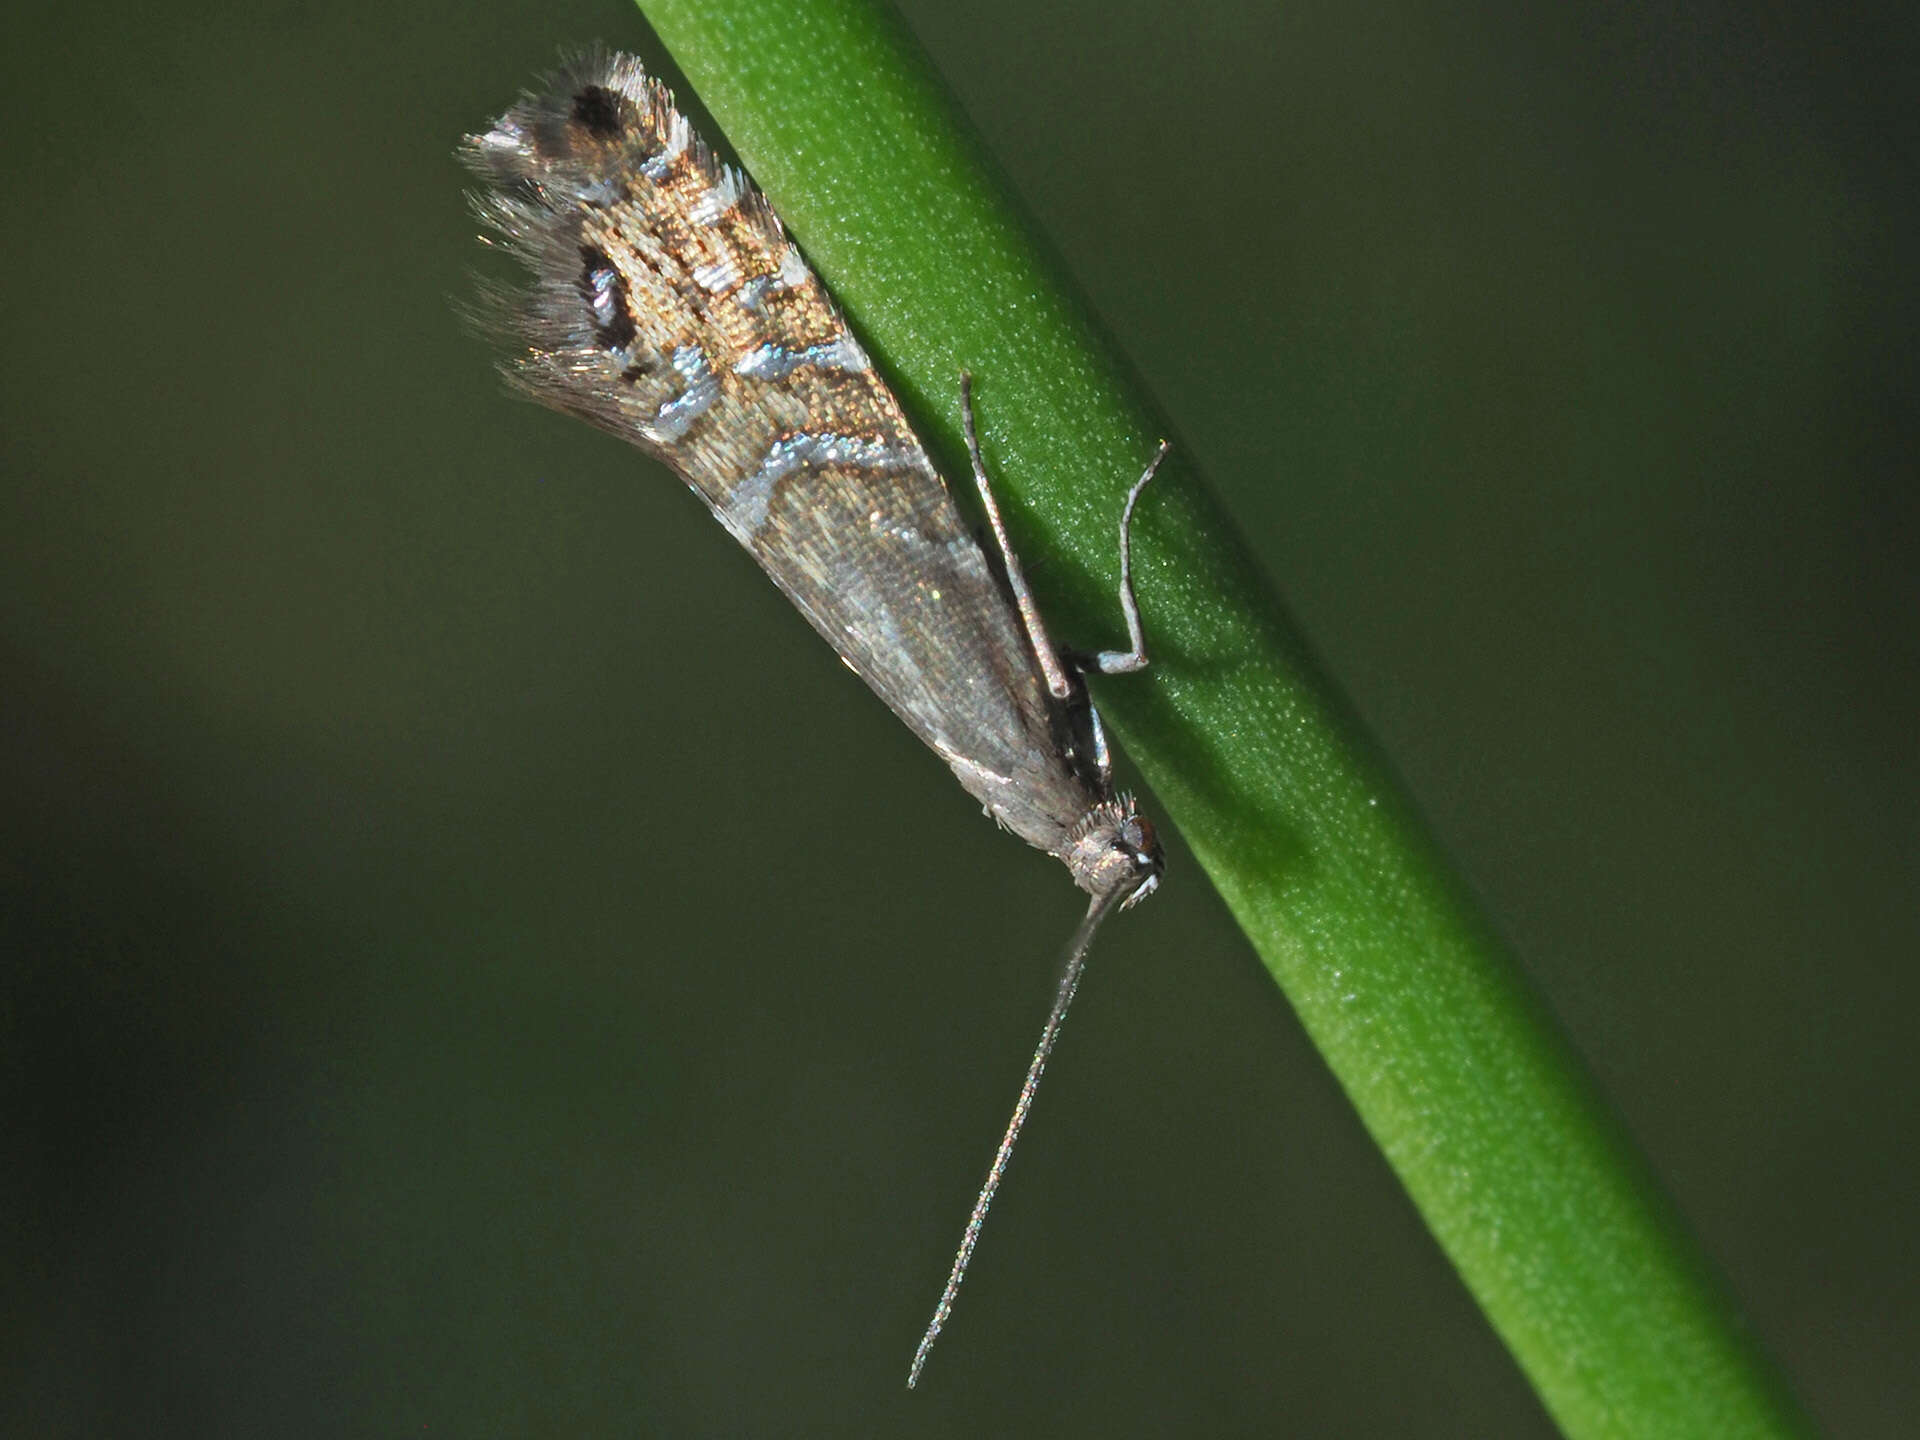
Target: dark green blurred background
(476, 965)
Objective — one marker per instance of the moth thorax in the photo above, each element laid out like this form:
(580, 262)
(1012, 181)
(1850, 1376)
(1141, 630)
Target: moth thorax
(1113, 849)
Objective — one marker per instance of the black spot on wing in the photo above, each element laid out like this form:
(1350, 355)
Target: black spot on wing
(605, 292)
(599, 111)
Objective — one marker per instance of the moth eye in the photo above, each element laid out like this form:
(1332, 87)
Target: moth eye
(599, 111)
(1140, 835)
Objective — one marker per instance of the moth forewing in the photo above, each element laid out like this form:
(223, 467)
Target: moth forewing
(663, 301)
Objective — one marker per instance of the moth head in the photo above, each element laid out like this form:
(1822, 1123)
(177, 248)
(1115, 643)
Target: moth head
(1113, 851)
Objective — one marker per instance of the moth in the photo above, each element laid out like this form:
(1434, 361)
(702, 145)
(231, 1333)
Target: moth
(663, 301)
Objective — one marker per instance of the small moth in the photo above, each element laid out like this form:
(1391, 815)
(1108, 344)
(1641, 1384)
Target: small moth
(665, 303)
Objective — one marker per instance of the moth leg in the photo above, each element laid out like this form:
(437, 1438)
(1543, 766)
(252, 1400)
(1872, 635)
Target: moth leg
(1118, 662)
(1102, 756)
(1059, 683)
(1123, 662)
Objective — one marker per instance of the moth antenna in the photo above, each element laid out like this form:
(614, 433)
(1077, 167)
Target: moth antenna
(1102, 906)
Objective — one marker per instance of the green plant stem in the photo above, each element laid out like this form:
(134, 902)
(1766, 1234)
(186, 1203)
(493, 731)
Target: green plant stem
(1475, 1097)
